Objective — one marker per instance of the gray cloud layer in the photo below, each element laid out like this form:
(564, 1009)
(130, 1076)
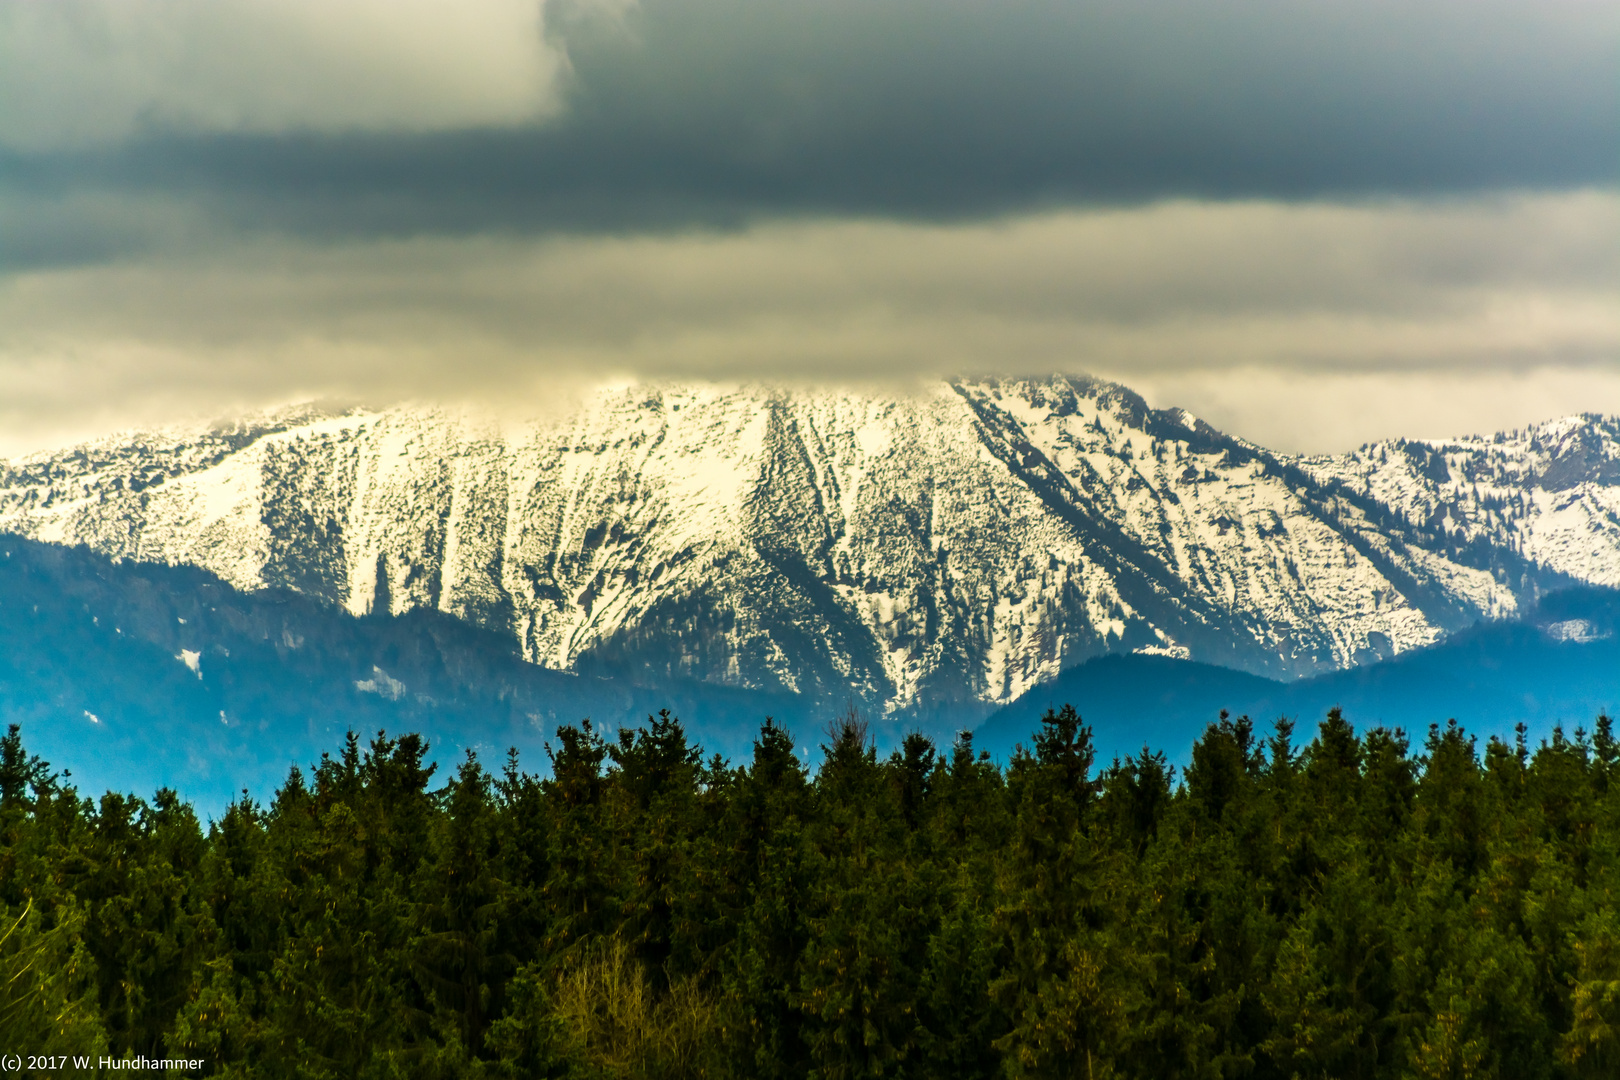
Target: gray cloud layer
(720, 112)
(1308, 326)
(1313, 222)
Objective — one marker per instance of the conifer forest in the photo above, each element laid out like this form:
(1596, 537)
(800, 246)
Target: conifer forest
(1327, 904)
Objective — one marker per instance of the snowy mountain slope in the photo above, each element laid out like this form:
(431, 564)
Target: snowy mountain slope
(946, 549)
(1550, 492)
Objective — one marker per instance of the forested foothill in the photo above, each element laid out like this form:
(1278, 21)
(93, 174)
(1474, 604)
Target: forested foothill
(1348, 906)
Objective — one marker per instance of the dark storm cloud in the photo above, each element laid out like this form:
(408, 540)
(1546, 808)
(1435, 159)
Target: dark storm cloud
(722, 112)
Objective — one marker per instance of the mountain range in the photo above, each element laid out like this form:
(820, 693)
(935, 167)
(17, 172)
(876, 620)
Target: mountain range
(929, 556)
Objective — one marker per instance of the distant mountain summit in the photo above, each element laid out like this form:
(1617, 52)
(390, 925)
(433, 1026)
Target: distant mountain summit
(1550, 492)
(927, 554)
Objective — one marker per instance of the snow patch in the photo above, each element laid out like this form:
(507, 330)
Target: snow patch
(1178, 652)
(1576, 630)
(382, 684)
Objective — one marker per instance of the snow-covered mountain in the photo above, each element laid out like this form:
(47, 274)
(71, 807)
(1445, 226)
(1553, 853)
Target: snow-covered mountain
(943, 549)
(1550, 492)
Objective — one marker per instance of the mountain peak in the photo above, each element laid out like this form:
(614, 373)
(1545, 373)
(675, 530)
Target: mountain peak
(952, 545)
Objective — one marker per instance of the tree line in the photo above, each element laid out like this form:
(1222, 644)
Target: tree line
(1353, 907)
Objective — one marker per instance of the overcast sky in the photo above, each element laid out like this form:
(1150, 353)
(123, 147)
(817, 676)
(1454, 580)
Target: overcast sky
(1312, 222)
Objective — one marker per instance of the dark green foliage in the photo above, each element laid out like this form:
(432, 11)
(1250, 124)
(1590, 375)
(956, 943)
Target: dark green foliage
(1336, 907)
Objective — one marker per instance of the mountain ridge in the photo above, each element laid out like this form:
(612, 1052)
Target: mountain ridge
(139, 674)
(1557, 664)
(926, 554)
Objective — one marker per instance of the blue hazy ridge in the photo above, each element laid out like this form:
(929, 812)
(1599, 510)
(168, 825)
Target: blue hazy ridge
(92, 666)
(1489, 678)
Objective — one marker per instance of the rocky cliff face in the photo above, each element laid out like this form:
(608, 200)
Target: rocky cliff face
(947, 549)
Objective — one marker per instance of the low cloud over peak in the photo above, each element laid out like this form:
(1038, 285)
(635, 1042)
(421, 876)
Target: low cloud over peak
(1200, 303)
(207, 204)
